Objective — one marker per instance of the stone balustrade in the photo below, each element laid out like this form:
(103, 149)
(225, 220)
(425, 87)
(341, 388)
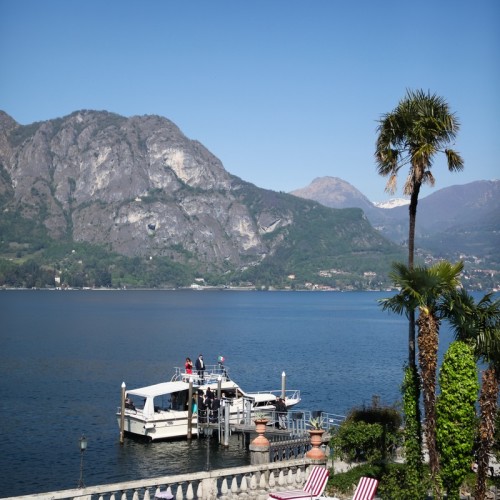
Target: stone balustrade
(252, 482)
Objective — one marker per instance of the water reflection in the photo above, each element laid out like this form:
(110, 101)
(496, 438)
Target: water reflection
(140, 459)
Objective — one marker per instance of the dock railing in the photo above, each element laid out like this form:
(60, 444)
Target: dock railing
(294, 423)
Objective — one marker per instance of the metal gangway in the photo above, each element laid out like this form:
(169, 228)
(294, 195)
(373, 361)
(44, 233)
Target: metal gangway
(295, 423)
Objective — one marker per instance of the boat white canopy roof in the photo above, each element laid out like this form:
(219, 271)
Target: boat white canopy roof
(152, 391)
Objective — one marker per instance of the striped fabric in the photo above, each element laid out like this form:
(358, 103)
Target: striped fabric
(366, 489)
(314, 487)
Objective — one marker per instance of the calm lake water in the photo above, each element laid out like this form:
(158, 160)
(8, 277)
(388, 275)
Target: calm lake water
(64, 356)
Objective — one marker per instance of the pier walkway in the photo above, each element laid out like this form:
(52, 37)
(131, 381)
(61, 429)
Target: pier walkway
(294, 424)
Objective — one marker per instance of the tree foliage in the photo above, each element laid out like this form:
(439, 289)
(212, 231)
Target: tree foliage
(456, 416)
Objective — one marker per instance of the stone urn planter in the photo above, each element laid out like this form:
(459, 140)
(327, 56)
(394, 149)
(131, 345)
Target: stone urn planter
(260, 429)
(316, 453)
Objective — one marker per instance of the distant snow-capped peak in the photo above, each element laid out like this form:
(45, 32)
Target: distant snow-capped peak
(395, 202)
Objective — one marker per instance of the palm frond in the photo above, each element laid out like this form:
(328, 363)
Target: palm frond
(419, 127)
(476, 323)
(428, 178)
(455, 161)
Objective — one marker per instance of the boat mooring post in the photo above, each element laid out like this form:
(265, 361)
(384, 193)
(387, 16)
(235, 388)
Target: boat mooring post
(190, 409)
(122, 414)
(227, 414)
(283, 385)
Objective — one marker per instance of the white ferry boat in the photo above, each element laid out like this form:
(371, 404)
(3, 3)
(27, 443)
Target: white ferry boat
(161, 411)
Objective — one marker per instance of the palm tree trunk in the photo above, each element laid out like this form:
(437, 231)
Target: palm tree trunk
(488, 408)
(428, 328)
(411, 258)
(417, 424)
(411, 339)
(412, 223)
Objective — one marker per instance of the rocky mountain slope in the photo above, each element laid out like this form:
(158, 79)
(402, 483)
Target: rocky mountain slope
(140, 188)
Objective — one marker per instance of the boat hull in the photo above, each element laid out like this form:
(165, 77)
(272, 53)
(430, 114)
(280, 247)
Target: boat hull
(169, 425)
(161, 427)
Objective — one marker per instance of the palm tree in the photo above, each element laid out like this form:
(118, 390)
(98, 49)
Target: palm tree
(418, 128)
(426, 289)
(479, 325)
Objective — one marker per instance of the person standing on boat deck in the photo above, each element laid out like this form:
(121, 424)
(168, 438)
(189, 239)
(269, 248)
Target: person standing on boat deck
(200, 367)
(214, 410)
(189, 366)
(209, 395)
(282, 410)
(202, 408)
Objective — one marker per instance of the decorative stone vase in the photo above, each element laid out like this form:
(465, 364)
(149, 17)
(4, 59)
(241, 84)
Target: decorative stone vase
(260, 429)
(316, 453)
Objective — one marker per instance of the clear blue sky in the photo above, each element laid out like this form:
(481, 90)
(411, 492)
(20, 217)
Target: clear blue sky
(282, 91)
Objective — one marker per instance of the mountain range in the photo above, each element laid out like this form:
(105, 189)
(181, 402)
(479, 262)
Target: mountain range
(139, 190)
(451, 222)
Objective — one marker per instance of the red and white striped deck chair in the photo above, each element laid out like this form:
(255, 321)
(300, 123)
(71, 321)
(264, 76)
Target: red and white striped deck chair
(366, 489)
(314, 487)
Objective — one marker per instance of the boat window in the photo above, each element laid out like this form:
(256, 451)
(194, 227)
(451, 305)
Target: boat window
(229, 393)
(163, 402)
(134, 403)
(178, 400)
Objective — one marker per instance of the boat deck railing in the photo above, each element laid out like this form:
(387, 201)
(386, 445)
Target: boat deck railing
(292, 394)
(212, 374)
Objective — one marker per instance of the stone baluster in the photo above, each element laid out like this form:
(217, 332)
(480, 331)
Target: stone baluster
(263, 486)
(299, 477)
(281, 480)
(272, 481)
(234, 487)
(243, 488)
(252, 486)
(224, 490)
(200, 489)
(179, 495)
(189, 491)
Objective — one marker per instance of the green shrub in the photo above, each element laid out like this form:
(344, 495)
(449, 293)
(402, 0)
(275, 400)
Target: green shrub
(358, 441)
(393, 482)
(344, 483)
(396, 482)
(388, 416)
(368, 434)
